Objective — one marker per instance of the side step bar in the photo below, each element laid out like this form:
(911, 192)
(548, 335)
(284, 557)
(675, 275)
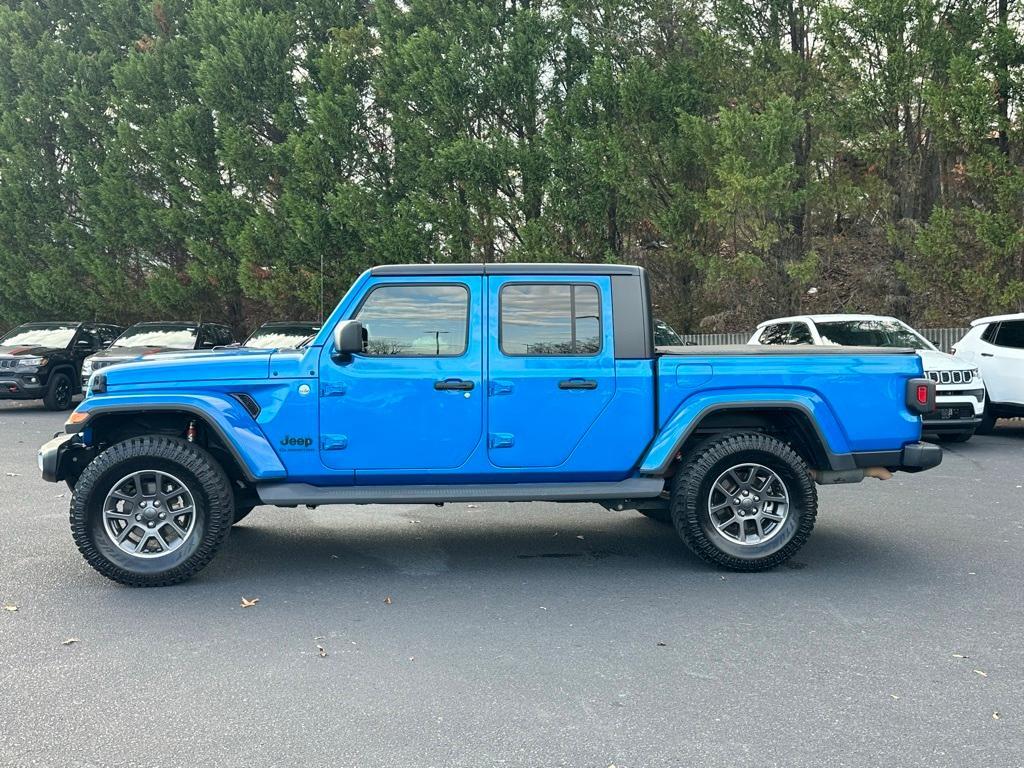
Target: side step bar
(293, 494)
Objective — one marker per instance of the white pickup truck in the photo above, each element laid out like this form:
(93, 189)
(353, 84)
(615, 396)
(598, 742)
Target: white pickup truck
(959, 389)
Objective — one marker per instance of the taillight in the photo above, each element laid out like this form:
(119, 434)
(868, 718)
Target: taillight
(920, 395)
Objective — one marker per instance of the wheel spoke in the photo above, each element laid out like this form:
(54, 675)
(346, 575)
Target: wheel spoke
(138, 489)
(733, 493)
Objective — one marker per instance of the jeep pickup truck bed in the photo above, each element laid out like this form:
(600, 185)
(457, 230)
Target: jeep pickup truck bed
(497, 382)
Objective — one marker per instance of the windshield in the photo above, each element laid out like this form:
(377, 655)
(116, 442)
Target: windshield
(54, 335)
(871, 333)
(154, 335)
(664, 336)
(280, 336)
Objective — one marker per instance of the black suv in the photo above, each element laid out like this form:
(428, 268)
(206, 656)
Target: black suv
(144, 339)
(44, 360)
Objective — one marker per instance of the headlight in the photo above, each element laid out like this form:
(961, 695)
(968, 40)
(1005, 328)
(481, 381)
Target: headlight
(31, 362)
(87, 367)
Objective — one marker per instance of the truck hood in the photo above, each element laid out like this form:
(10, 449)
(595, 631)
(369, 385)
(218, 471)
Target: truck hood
(189, 368)
(16, 351)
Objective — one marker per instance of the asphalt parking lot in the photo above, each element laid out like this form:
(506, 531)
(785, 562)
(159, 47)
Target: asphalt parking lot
(526, 635)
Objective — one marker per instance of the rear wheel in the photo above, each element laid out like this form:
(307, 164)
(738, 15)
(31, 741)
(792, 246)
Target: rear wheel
(151, 511)
(59, 396)
(746, 502)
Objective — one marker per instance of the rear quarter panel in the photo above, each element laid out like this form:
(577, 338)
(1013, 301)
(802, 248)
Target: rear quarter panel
(856, 400)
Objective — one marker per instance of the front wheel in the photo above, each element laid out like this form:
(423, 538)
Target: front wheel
(59, 396)
(151, 511)
(746, 502)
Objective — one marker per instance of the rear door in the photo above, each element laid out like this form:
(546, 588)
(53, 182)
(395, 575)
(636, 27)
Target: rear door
(551, 366)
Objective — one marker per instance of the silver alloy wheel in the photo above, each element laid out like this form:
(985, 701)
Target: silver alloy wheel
(748, 504)
(149, 514)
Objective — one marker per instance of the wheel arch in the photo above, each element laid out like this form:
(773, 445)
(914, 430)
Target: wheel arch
(791, 420)
(227, 428)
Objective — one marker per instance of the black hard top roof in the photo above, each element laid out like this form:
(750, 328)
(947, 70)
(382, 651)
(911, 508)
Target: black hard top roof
(505, 269)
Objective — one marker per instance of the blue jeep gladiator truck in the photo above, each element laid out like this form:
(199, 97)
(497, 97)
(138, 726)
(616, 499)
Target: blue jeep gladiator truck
(486, 382)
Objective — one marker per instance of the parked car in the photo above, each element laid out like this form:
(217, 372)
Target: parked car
(144, 339)
(960, 395)
(287, 334)
(44, 360)
(665, 335)
(996, 346)
(484, 382)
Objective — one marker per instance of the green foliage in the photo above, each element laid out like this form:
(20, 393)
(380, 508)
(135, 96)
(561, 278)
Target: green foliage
(236, 159)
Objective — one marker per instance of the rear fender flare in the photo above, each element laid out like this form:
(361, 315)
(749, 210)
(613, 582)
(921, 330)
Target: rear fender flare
(694, 410)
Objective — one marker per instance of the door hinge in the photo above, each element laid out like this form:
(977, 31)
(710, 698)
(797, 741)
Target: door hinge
(501, 440)
(333, 442)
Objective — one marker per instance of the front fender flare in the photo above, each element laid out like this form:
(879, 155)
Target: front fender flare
(687, 417)
(226, 416)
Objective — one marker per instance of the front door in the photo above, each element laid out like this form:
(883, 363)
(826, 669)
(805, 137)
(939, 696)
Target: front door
(414, 400)
(551, 366)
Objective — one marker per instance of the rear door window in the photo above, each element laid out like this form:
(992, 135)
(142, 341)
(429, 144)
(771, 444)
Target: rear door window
(800, 334)
(555, 319)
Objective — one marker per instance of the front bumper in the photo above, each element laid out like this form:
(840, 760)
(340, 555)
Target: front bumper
(27, 387)
(63, 458)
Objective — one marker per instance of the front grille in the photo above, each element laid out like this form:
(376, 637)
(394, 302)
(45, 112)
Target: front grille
(951, 377)
(9, 362)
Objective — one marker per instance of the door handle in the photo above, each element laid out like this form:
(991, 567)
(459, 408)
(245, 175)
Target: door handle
(987, 354)
(577, 384)
(458, 385)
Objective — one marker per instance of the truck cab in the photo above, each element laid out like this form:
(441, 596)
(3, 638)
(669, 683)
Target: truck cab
(496, 382)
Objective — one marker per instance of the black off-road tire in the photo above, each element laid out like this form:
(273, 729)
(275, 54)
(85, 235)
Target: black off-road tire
(663, 516)
(60, 395)
(692, 489)
(197, 469)
(988, 421)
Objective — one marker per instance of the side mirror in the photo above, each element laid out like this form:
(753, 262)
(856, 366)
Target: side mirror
(349, 338)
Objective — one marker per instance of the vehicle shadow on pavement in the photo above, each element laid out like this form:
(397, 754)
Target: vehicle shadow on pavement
(265, 549)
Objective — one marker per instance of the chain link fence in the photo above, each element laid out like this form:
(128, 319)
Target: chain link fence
(943, 338)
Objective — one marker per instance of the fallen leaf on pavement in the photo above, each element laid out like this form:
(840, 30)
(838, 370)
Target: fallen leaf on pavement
(960, 656)
(387, 600)
(11, 474)
(10, 607)
(322, 651)
(662, 645)
(995, 715)
(249, 602)
(69, 641)
(894, 697)
(979, 672)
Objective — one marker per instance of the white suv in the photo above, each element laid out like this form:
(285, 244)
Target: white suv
(996, 346)
(959, 391)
